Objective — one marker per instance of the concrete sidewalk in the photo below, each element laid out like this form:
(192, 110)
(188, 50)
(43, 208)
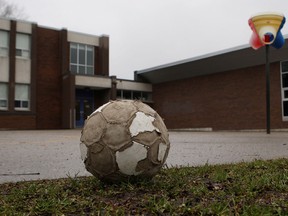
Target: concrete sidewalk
(49, 154)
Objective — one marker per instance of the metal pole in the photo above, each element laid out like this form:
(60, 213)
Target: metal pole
(267, 91)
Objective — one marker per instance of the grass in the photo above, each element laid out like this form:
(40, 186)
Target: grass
(254, 188)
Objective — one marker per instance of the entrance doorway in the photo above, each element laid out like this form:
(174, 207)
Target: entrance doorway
(84, 105)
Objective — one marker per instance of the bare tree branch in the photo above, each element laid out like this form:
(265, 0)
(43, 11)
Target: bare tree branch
(9, 10)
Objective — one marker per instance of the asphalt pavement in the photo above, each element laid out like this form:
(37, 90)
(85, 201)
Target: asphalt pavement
(50, 154)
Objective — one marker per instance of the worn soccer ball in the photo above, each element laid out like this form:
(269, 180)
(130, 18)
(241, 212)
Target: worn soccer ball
(124, 140)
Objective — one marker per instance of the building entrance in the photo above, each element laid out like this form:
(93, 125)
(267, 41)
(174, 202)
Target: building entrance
(84, 105)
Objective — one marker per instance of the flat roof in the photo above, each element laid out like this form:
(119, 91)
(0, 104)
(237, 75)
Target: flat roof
(216, 62)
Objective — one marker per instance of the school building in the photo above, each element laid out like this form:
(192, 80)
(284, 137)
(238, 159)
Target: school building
(54, 78)
(225, 90)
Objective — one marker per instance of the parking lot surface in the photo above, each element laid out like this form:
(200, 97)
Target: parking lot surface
(50, 154)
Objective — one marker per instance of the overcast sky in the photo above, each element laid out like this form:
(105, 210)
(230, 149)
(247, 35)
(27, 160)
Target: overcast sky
(149, 33)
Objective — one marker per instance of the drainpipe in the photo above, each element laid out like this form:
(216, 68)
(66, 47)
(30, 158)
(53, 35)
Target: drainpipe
(113, 87)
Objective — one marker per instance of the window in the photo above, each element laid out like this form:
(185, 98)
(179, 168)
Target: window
(284, 87)
(134, 95)
(23, 45)
(4, 43)
(127, 95)
(81, 59)
(137, 95)
(22, 93)
(3, 96)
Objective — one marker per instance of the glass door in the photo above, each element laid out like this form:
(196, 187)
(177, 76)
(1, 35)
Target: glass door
(84, 107)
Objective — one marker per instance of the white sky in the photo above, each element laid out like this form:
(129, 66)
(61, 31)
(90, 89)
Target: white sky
(148, 33)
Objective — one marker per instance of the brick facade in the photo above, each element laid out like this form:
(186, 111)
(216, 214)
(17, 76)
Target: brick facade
(18, 121)
(52, 85)
(49, 79)
(231, 100)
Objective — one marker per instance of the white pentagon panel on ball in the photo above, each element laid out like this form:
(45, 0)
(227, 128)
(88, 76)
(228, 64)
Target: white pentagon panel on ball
(142, 123)
(128, 159)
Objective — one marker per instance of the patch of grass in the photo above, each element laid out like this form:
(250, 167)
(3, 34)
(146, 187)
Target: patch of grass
(255, 188)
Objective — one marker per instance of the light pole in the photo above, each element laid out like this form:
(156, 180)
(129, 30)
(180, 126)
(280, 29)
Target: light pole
(266, 31)
(267, 70)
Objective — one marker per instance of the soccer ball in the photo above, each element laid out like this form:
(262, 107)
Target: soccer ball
(124, 140)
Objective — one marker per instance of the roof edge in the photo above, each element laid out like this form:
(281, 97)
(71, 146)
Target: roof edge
(195, 58)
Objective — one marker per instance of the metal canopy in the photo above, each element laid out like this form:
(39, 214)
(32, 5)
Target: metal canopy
(226, 60)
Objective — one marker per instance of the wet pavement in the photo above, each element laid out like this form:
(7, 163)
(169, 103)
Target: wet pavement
(50, 154)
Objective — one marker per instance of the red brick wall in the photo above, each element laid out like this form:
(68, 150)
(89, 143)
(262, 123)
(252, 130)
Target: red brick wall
(48, 95)
(225, 101)
(19, 121)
